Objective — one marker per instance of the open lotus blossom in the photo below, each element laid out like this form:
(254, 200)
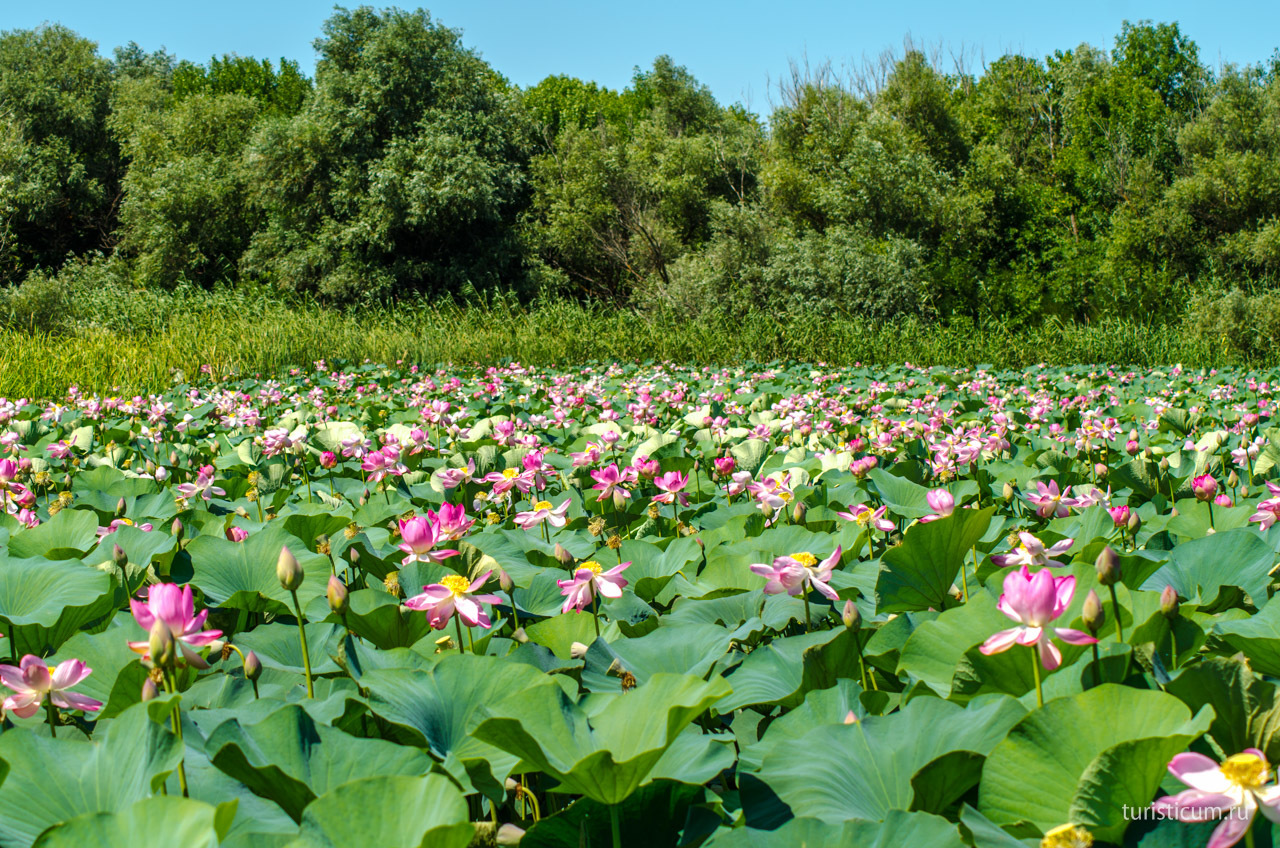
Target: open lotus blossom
(672, 486)
(420, 535)
(452, 478)
(203, 486)
(1032, 552)
(1050, 502)
(942, 502)
(1034, 601)
(1235, 790)
(32, 681)
(793, 573)
(454, 593)
(610, 480)
(1268, 513)
(772, 492)
(451, 522)
(865, 517)
(176, 608)
(588, 579)
(117, 523)
(543, 511)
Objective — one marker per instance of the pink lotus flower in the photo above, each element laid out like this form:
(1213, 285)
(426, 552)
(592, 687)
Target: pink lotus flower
(1034, 602)
(203, 486)
(237, 534)
(589, 579)
(791, 574)
(452, 478)
(451, 522)
(1050, 501)
(865, 516)
(454, 593)
(942, 502)
(1235, 790)
(32, 681)
(724, 465)
(117, 523)
(420, 535)
(672, 486)
(1032, 552)
(176, 608)
(1205, 487)
(1268, 513)
(60, 449)
(380, 463)
(543, 511)
(610, 480)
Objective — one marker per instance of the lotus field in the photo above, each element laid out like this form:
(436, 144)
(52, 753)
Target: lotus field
(644, 606)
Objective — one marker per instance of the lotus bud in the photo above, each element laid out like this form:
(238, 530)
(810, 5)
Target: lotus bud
(1135, 523)
(252, 666)
(1224, 500)
(798, 512)
(354, 555)
(149, 690)
(161, 644)
(851, 617)
(1250, 419)
(1131, 447)
(1205, 487)
(1169, 602)
(1164, 464)
(562, 555)
(1108, 566)
(1092, 612)
(1008, 491)
(118, 556)
(577, 650)
(177, 529)
(121, 508)
(337, 595)
(161, 474)
(508, 834)
(619, 500)
(1233, 479)
(1244, 491)
(1100, 470)
(173, 458)
(288, 572)
(217, 648)
(328, 460)
(519, 636)
(505, 582)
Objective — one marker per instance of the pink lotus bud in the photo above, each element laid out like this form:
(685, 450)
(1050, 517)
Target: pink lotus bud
(149, 690)
(328, 460)
(237, 534)
(1120, 515)
(288, 571)
(337, 595)
(1224, 500)
(1169, 602)
(252, 666)
(724, 465)
(1131, 447)
(1205, 487)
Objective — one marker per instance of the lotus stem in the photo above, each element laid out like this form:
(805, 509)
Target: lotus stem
(302, 637)
(805, 594)
(457, 621)
(53, 718)
(615, 825)
(175, 718)
(1035, 670)
(1115, 607)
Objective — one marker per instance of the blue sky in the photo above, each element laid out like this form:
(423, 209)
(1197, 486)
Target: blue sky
(734, 47)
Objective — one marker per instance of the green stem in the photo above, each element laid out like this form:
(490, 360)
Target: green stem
(1173, 648)
(862, 666)
(595, 612)
(302, 462)
(175, 718)
(805, 594)
(457, 621)
(964, 574)
(1035, 669)
(302, 636)
(1115, 608)
(1248, 836)
(546, 535)
(615, 826)
(1097, 665)
(53, 718)
(1210, 505)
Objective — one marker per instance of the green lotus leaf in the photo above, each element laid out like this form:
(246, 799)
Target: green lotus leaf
(919, 573)
(45, 602)
(391, 811)
(242, 575)
(150, 823)
(898, 828)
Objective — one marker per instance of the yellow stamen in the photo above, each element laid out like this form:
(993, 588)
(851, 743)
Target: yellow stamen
(1246, 770)
(806, 559)
(455, 583)
(542, 505)
(591, 565)
(1067, 836)
(508, 473)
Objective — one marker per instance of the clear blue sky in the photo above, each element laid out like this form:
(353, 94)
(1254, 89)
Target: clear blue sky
(734, 47)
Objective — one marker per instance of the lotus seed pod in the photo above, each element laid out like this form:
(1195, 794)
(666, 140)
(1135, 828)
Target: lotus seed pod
(161, 644)
(288, 572)
(1169, 602)
(252, 666)
(1092, 612)
(1135, 523)
(337, 595)
(850, 616)
(217, 648)
(511, 784)
(149, 690)
(562, 555)
(1108, 566)
(118, 556)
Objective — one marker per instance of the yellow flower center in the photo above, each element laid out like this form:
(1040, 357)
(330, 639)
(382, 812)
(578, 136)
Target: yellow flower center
(51, 670)
(1245, 770)
(542, 505)
(508, 473)
(455, 583)
(1067, 836)
(126, 521)
(591, 565)
(864, 517)
(806, 559)
(785, 497)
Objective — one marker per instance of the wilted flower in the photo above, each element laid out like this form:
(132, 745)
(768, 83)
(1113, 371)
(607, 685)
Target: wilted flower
(1032, 552)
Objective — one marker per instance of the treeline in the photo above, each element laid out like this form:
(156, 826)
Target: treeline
(1090, 183)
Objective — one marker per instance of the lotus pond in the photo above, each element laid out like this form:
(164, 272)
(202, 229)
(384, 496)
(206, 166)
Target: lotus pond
(644, 606)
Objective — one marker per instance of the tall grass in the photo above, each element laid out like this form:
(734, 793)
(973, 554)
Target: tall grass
(110, 338)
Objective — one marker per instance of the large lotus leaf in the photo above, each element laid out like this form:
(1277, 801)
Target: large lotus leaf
(607, 756)
(918, 574)
(279, 647)
(442, 705)
(392, 811)
(46, 602)
(694, 757)
(934, 650)
(1258, 637)
(70, 533)
(291, 759)
(679, 649)
(1079, 759)
(822, 706)
(161, 822)
(867, 767)
(53, 780)
(309, 521)
(256, 818)
(898, 828)
(242, 575)
(1200, 568)
(782, 671)
(653, 815)
(560, 632)
(378, 617)
(142, 547)
(652, 567)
